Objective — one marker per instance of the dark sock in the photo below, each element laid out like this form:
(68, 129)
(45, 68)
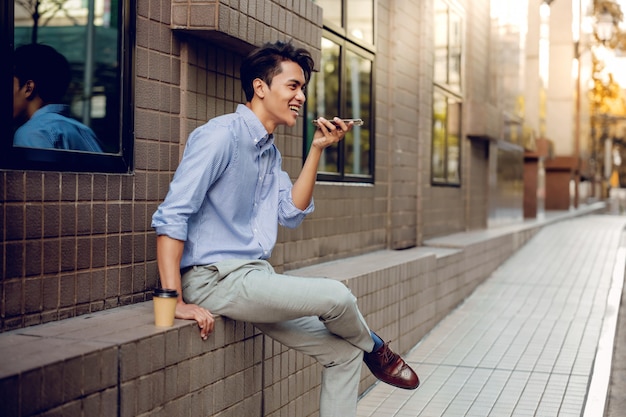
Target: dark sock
(378, 342)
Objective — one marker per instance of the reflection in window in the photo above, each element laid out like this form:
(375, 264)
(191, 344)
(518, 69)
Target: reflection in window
(360, 24)
(332, 12)
(322, 100)
(343, 87)
(87, 34)
(448, 46)
(358, 94)
(439, 137)
(441, 42)
(353, 19)
(447, 96)
(41, 77)
(454, 60)
(446, 139)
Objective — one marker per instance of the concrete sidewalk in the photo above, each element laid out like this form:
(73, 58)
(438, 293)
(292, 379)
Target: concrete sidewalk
(535, 339)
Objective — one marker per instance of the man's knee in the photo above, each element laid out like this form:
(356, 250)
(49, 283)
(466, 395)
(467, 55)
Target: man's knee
(340, 298)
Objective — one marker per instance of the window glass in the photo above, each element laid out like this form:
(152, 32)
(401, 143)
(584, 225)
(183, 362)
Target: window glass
(344, 87)
(71, 70)
(453, 144)
(322, 100)
(440, 108)
(448, 46)
(447, 96)
(361, 20)
(454, 62)
(332, 10)
(446, 142)
(441, 42)
(86, 34)
(358, 94)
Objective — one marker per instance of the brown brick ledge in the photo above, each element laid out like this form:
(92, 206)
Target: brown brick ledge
(117, 363)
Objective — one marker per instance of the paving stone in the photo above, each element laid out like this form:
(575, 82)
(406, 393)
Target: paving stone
(524, 342)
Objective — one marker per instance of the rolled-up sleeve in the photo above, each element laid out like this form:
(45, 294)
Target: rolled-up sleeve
(288, 214)
(205, 158)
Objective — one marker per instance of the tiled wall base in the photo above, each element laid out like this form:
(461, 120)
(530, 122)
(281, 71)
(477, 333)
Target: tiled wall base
(116, 362)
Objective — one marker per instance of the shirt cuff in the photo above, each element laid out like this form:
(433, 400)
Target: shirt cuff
(174, 231)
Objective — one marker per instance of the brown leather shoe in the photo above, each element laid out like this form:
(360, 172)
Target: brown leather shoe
(391, 368)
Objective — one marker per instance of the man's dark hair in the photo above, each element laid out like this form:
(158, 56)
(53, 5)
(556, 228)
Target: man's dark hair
(265, 62)
(42, 64)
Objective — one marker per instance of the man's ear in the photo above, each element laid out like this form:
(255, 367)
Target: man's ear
(259, 87)
(29, 89)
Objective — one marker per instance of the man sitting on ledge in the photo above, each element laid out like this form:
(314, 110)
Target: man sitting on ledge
(218, 225)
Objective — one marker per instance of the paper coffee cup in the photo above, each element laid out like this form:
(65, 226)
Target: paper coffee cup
(164, 301)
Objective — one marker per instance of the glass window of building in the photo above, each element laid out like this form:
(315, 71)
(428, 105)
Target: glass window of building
(70, 73)
(446, 143)
(343, 87)
(447, 96)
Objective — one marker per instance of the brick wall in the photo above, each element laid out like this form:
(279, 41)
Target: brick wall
(116, 362)
(74, 244)
(79, 243)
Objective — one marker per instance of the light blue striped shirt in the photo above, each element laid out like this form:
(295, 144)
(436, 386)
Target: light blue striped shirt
(229, 193)
(51, 127)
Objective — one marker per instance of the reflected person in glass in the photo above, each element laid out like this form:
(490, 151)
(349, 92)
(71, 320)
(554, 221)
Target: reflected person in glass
(41, 76)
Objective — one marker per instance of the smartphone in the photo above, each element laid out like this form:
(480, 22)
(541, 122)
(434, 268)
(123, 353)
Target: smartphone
(357, 122)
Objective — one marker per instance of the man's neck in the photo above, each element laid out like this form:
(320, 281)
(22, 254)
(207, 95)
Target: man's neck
(34, 105)
(259, 111)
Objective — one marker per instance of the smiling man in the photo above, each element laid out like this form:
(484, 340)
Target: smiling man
(218, 225)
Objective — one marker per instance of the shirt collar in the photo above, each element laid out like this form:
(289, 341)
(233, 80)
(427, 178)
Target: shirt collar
(62, 109)
(265, 141)
(256, 129)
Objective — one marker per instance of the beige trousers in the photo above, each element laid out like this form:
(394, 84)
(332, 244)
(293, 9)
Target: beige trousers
(316, 316)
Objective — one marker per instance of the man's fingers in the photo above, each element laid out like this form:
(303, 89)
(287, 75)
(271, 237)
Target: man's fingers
(206, 322)
(202, 316)
(325, 125)
(341, 125)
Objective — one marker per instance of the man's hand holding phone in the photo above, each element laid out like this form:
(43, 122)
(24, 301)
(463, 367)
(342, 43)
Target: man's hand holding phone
(331, 131)
(355, 122)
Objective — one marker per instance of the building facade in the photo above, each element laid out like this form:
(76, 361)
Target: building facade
(438, 84)
(452, 98)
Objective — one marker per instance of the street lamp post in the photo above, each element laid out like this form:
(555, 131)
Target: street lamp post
(607, 31)
(607, 35)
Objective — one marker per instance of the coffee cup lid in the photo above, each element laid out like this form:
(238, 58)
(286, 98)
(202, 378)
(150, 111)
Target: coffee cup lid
(165, 292)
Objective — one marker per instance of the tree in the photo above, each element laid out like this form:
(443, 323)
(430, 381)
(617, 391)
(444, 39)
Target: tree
(42, 11)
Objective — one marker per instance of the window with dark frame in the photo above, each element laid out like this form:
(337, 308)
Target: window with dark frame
(447, 95)
(446, 139)
(344, 87)
(95, 39)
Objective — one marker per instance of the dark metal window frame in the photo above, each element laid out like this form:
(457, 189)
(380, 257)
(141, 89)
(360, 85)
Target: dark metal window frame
(452, 10)
(450, 92)
(346, 42)
(436, 181)
(343, 32)
(63, 160)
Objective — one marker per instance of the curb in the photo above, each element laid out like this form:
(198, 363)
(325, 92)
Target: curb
(596, 401)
